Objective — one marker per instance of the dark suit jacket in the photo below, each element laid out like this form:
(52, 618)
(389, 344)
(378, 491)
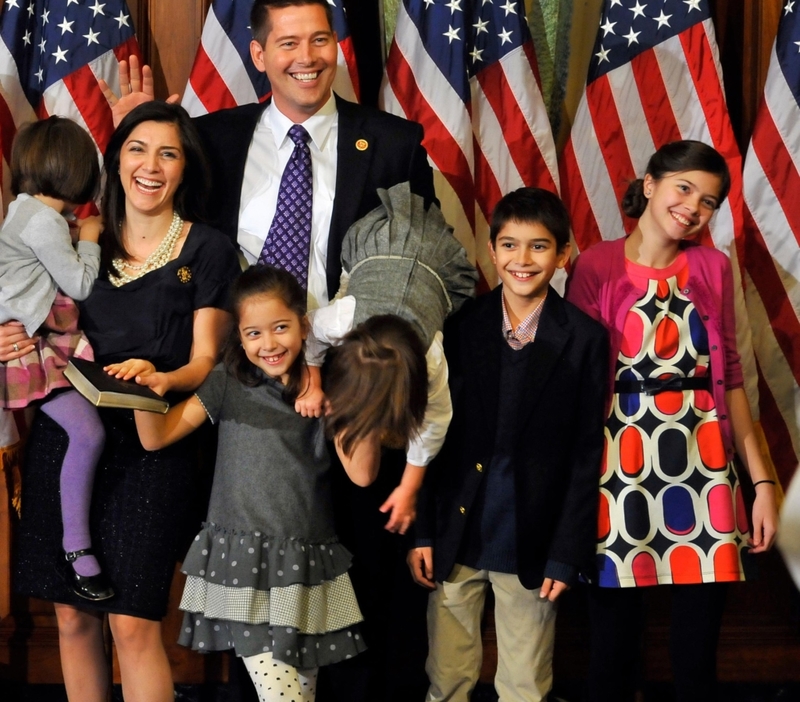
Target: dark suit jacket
(394, 154)
(559, 444)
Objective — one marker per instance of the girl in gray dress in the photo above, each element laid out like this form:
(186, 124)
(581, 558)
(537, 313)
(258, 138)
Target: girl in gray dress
(267, 576)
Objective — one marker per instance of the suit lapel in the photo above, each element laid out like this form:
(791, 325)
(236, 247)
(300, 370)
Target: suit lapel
(548, 346)
(352, 169)
(484, 342)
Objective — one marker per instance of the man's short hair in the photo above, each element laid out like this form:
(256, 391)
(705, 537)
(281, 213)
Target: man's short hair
(260, 23)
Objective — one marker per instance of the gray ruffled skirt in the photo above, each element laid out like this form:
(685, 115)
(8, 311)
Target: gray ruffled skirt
(255, 593)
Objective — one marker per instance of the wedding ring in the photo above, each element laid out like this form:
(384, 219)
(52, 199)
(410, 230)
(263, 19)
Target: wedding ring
(15, 346)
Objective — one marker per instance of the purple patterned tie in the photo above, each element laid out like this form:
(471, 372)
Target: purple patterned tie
(289, 239)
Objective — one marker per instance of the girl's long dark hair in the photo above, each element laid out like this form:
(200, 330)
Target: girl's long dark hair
(677, 157)
(376, 380)
(191, 195)
(265, 281)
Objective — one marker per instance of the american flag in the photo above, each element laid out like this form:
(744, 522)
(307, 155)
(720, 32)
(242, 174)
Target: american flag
(223, 75)
(52, 53)
(466, 70)
(654, 77)
(772, 226)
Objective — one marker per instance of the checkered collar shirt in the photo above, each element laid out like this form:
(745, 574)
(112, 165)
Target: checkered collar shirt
(526, 331)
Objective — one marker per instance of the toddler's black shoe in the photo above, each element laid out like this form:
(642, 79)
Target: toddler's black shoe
(90, 587)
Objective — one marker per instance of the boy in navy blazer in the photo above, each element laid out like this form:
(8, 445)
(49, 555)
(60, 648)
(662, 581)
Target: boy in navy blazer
(512, 499)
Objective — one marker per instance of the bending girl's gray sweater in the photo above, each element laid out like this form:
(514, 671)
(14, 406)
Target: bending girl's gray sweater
(37, 259)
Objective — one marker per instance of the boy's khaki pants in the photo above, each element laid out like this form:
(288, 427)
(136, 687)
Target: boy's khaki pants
(525, 626)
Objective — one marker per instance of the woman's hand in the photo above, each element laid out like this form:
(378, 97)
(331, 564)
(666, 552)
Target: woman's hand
(15, 342)
(135, 88)
(132, 368)
(765, 519)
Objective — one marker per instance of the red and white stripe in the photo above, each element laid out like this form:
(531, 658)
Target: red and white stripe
(480, 152)
(772, 225)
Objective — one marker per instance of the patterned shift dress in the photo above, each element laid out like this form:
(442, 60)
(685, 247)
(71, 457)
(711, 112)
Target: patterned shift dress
(671, 508)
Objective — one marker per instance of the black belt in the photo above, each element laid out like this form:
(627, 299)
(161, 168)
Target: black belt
(653, 386)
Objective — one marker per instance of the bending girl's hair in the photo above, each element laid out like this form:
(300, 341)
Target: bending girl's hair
(376, 379)
(677, 157)
(264, 281)
(57, 158)
(191, 195)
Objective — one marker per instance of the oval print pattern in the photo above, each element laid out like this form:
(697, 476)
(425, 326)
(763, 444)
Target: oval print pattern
(671, 502)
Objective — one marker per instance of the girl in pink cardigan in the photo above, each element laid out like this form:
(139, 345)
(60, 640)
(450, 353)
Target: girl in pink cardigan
(671, 509)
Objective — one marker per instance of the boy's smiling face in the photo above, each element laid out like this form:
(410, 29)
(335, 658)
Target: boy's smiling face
(526, 257)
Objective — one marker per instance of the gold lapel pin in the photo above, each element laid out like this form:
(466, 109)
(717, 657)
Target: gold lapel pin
(362, 144)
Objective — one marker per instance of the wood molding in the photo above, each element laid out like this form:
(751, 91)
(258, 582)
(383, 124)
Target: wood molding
(169, 34)
(760, 28)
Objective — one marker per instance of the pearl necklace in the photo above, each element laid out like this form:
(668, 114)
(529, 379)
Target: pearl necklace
(160, 256)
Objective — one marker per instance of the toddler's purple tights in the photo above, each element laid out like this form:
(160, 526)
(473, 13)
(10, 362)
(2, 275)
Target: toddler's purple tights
(78, 417)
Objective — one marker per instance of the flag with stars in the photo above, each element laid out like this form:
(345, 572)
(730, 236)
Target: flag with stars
(52, 53)
(223, 75)
(466, 71)
(772, 243)
(654, 77)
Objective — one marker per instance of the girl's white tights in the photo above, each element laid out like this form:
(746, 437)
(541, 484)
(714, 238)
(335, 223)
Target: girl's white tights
(280, 682)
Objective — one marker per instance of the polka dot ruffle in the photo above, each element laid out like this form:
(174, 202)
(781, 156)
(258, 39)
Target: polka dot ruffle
(261, 562)
(285, 643)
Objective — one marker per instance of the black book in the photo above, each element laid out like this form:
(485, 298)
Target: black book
(103, 390)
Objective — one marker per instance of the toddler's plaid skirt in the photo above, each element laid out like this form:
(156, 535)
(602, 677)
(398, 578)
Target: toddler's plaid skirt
(41, 371)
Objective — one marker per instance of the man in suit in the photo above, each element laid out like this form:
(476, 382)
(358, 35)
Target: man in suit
(354, 149)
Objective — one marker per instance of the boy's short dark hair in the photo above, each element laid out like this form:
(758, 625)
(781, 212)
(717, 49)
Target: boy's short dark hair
(260, 23)
(55, 157)
(532, 206)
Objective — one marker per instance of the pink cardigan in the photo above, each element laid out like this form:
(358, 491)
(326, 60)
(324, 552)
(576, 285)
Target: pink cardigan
(599, 285)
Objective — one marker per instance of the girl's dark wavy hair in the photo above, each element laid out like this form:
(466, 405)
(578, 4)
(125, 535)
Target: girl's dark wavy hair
(376, 380)
(264, 281)
(677, 157)
(192, 193)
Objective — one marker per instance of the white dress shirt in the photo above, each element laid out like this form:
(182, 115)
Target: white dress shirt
(329, 324)
(267, 157)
